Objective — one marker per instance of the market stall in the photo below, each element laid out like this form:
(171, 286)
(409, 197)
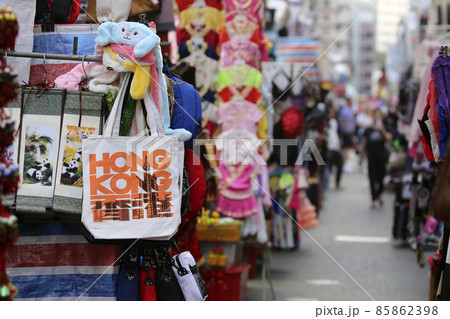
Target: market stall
(111, 136)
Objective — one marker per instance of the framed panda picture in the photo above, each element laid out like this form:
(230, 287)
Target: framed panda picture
(38, 152)
(69, 179)
(38, 155)
(67, 200)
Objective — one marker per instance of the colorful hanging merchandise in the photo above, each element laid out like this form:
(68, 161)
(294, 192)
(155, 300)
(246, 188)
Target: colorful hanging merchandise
(435, 122)
(240, 52)
(236, 196)
(9, 176)
(155, 201)
(239, 83)
(198, 48)
(241, 117)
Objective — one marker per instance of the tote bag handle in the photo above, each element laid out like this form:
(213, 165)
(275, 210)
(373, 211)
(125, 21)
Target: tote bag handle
(154, 120)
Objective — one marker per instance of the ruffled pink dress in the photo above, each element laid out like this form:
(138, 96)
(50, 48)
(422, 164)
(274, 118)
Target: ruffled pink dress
(236, 197)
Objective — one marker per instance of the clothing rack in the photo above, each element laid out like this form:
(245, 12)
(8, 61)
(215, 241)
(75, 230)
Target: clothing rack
(71, 57)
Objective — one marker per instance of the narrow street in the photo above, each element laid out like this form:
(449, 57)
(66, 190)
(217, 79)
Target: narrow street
(358, 239)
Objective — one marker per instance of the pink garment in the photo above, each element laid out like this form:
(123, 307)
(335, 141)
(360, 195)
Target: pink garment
(421, 101)
(236, 196)
(253, 8)
(295, 198)
(98, 75)
(239, 115)
(240, 52)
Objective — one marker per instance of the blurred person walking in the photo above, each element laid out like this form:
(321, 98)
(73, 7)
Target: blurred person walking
(334, 147)
(363, 121)
(373, 145)
(347, 128)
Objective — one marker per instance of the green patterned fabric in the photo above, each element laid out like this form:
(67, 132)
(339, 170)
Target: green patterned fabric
(128, 110)
(109, 99)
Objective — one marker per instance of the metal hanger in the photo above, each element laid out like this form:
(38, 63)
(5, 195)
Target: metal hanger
(82, 66)
(45, 69)
(444, 51)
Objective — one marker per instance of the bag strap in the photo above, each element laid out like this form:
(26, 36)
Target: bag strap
(154, 118)
(141, 125)
(180, 269)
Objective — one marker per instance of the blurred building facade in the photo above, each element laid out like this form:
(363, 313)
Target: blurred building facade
(388, 15)
(332, 20)
(363, 47)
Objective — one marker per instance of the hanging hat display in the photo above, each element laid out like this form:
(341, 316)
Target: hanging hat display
(293, 122)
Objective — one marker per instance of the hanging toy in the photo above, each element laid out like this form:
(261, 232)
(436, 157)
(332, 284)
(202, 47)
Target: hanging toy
(131, 45)
(134, 47)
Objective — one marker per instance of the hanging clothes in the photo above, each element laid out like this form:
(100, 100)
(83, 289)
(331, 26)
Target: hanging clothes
(210, 36)
(254, 9)
(441, 78)
(239, 76)
(239, 115)
(281, 83)
(247, 93)
(205, 72)
(212, 17)
(240, 52)
(190, 4)
(196, 46)
(236, 196)
(430, 126)
(239, 26)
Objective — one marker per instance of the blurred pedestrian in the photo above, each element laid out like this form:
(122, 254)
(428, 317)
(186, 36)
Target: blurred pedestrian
(363, 121)
(334, 147)
(347, 129)
(322, 145)
(373, 145)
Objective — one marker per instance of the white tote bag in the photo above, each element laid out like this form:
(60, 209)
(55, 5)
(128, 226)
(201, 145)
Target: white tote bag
(132, 185)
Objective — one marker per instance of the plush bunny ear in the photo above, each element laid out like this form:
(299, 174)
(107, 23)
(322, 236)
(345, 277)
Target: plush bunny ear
(146, 45)
(104, 36)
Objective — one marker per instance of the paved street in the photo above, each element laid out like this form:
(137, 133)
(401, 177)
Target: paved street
(378, 268)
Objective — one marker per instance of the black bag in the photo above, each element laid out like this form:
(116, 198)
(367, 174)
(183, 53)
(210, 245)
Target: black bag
(128, 279)
(59, 13)
(167, 286)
